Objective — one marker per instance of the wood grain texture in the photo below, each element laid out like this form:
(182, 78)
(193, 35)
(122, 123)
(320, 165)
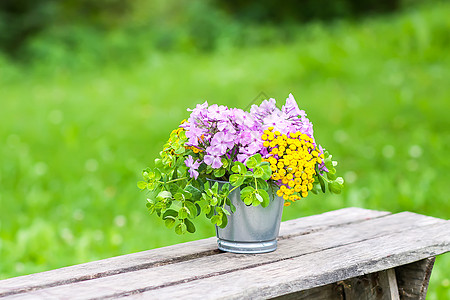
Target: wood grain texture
(375, 286)
(319, 268)
(172, 254)
(332, 291)
(300, 263)
(413, 279)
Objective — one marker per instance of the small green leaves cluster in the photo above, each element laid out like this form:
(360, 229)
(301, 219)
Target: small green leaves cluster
(178, 199)
(335, 184)
(253, 178)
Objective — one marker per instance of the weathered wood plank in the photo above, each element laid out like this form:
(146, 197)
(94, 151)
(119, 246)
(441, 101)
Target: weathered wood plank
(329, 219)
(319, 268)
(171, 254)
(331, 291)
(298, 250)
(413, 279)
(375, 286)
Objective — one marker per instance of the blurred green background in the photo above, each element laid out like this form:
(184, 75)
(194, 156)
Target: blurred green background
(90, 90)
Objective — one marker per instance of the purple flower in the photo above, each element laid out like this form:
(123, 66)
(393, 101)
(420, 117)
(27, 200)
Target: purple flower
(291, 108)
(193, 166)
(267, 107)
(213, 161)
(221, 142)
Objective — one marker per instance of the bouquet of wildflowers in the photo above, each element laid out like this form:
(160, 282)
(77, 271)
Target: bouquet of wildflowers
(219, 149)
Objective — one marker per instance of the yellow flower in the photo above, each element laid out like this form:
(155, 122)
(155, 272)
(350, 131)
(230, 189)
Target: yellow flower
(273, 168)
(282, 172)
(280, 165)
(297, 181)
(272, 160)
(297, 188)
(279, 193)
(291, 183)
(270, 128)
(266, 144)
(274, 151)
(286, 203)
(264, 137)
(304, 194)
(289, 176)
(277, 133)
(285, 180)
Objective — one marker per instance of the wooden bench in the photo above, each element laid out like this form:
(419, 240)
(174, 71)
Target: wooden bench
(350, 253)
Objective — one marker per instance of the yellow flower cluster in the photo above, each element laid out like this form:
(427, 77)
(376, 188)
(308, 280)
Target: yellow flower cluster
(292, 159)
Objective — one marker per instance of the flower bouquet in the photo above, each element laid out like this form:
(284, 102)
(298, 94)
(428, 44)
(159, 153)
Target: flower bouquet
(222, 159)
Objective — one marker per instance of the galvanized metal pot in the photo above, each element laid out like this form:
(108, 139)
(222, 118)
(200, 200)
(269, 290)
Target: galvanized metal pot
(251, 229)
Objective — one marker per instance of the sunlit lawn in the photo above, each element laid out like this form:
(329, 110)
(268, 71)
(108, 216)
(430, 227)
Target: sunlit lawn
(73, 143)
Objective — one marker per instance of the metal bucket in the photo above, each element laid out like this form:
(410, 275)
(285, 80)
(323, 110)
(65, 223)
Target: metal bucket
(251, 229)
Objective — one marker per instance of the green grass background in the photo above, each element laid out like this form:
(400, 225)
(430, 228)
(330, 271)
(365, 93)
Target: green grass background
(75, 139)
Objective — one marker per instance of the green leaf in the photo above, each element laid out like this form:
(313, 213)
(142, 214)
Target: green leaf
(192, 209)
(206, 185)
(258, 172)
(181, 228)
(195, 192)
(225, 189)
(335, 187)
(170, 213)
(258, 158)
(159, 164)
(186, 194)
(232, 208)
(225, 163)
(169, 222)
(322, 183)
(215, 188)
(219, 172)
(224, 221)
(248, 200)
(265, 196)
(178, 197)
(255, 201)
(157, 174)
(210, 214)
(142, 185)
(247, 191)
(226, 212)
(164, 195)
(236, 179)
(267, 171)
(239, 167)
(262, 184)
(251, 162)
(217, 219)
(183, 213)
(180, 150)
(331, 176)
(189, 226)
(151, 208)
